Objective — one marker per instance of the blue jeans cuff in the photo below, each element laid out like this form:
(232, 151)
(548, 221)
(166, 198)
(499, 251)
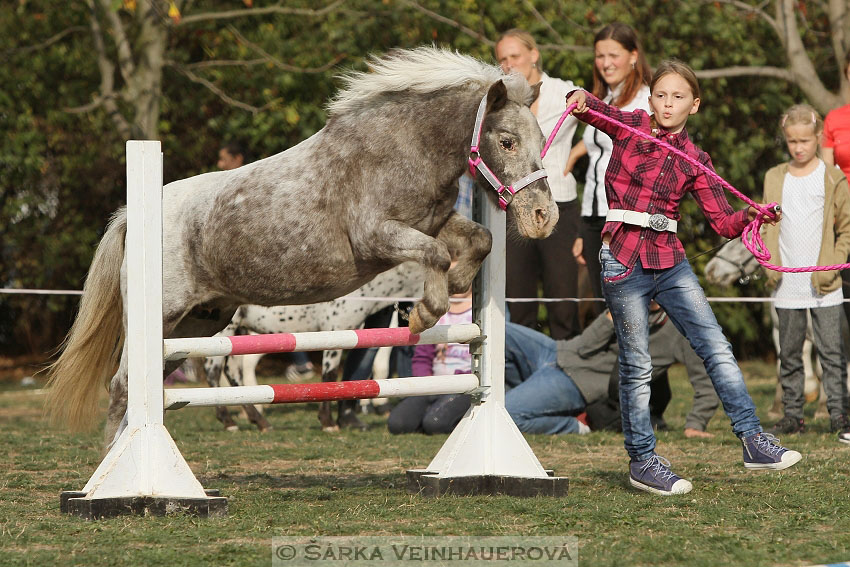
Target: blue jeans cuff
(644, 457)
(750, 432)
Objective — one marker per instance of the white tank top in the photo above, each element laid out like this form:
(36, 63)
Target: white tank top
(800, 241)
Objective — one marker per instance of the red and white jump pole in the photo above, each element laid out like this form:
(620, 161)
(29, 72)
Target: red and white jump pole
(321, 392)
(178, 349)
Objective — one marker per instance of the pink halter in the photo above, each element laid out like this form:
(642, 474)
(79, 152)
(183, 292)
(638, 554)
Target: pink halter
(506, 194)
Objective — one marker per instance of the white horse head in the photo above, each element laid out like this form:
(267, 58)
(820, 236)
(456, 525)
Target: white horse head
(733, 262)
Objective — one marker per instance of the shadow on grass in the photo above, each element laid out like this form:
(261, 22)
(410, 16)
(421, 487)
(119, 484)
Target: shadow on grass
(612, 479)
(331, 481)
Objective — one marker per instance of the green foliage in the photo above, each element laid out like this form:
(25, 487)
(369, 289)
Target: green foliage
(62, 172)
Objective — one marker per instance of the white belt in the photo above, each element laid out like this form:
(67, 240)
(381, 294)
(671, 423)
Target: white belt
(656, 221)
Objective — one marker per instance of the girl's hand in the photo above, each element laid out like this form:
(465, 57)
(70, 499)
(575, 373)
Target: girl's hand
(576, 152)
(752, 212)
(578, 248)
(580, 99)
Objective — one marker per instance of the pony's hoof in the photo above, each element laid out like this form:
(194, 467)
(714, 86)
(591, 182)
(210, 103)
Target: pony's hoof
(414, 323)
(232, 428)
(349, 420)
(330, 429)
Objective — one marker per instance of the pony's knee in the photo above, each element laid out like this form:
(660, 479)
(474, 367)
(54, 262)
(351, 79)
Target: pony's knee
(480, 242)
(438, 257)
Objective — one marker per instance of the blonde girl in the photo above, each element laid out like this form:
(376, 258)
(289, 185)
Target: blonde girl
(815, 230)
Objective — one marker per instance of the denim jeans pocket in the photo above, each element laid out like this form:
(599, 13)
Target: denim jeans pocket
(612, 269)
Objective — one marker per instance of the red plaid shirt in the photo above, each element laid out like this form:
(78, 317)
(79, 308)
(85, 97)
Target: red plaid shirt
(644, 177)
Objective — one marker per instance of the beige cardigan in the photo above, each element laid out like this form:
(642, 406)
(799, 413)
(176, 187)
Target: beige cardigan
(835, 240)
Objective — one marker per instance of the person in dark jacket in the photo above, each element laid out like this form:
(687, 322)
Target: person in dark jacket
(556, 381)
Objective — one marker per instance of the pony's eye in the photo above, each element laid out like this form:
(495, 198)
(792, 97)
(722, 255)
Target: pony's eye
(507, 144)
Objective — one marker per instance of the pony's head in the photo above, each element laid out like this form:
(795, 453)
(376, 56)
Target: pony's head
(510, 145)
(511, 140)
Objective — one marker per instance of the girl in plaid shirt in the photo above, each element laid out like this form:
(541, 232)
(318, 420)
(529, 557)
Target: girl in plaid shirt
(642, 259)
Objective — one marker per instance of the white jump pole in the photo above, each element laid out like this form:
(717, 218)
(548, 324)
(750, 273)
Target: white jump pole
(143, 469)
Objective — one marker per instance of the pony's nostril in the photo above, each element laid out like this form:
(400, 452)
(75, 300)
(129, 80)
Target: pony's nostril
(541, 216)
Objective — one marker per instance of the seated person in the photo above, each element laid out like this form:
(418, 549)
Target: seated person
(543, 396)
(555, 381)
(441, 413)
(604, 414)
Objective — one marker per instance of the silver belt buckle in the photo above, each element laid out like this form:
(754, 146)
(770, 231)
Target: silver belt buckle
(658, 222)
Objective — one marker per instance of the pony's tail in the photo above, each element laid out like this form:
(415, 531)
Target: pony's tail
(92, 349)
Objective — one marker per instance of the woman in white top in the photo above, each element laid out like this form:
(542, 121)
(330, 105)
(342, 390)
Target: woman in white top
(620, 77)
(529, 261)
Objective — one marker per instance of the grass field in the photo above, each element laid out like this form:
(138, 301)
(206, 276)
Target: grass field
(297, 480)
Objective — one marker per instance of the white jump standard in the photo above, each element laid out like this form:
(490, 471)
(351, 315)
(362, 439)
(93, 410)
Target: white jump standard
(144, 472)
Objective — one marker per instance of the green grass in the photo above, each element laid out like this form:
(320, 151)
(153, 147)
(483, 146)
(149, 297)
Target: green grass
(297, 480)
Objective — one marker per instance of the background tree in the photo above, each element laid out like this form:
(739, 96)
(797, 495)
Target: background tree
(80, 78)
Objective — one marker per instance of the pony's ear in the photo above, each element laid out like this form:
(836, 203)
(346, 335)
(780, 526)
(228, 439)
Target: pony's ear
(497, 96)
(535, 92)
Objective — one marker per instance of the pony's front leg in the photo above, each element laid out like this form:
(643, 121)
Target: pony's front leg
(399, 243)
(468, 243)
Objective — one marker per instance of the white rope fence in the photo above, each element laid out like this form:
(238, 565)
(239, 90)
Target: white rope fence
(413, 299)
(15, 291)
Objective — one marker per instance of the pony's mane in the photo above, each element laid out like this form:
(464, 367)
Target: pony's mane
(422, 70)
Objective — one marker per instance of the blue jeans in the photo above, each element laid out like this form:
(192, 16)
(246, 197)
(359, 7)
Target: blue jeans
(542, 398)
(628, 293)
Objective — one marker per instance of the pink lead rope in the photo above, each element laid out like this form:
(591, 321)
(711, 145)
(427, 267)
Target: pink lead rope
(750, 237)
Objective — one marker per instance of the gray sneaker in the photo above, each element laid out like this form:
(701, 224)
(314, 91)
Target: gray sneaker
(298, 374)
(654, 475)
(788, 425)
(763, 451)
(841, 425)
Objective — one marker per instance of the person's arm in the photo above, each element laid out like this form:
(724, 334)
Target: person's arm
(771, 191)
(422, 363)
(828, 155)
(842, 221)
(828, 140)
(585, 101)
(578, 248)
(576, 153)
(596, 337)
(710, 195)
